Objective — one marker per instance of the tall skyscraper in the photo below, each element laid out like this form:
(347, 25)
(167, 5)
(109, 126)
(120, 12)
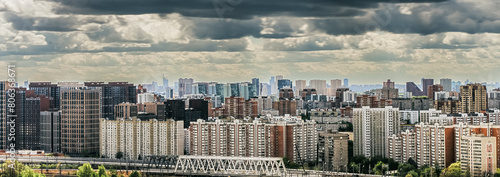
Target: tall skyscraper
(334, 85)
(473, 98)
(426, 83)
(284, 83)
(50, 131)
(346, 82)
(185, 86)
(165, 81)
(413, 88)
(273, 84)
(388, 91)
(299, 86)
(372, 128)
(256, 86)
(51, 91)
(113, 93)
(319, 85)
(446, 83)
(80, 120)
(431, 89)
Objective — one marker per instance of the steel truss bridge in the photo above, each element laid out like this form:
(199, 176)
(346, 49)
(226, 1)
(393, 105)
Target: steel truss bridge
(230, 165)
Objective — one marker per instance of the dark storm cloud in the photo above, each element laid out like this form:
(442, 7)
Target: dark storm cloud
(61, 24)
(240, 9)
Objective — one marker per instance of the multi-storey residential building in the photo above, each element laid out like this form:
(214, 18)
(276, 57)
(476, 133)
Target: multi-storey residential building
(478, 155)
(446, 83)
(432, 89)
(299, 86)
(413, 89)
(448, 106)
(333, 151)
(50, 131)
(49, 90)
(125, 110)
(185, 86)
(372, 128)
(388, 91)
(334, 85)
(80, 120)
(146, 98)
(254, 139)
(425, 85)
(137, 139)
(486, 129)
(434, 145)
(425, 115)
(239, 107)
(319, 85)
(113, 93)
(286, 107)
(410, 116)
(402, 147)
(473, 98)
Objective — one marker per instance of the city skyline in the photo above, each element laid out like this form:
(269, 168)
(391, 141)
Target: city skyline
(366, 41)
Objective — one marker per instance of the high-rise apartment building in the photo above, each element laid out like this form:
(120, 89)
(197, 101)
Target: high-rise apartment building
(413, 88)
(254, 139)
(432, 89)
(333, 151)
(346, 83)
(388, 91)
(284, 83)
(113, 93)
(238, 107)
(50, 131)
(146, 98)
(446, 83)
(125, 110)
(185, 86)
(319, 85)
(80, 120)
(49, 90)
(486, 130)
(372, 128)
(478, 154)
(425, 84)
(137, 139)
(299, 86)
(334, 85)
(473, 98)
(256, 86)
(402, 147)
(435, 145)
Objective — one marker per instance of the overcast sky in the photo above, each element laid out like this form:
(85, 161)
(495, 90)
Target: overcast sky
(367, 41)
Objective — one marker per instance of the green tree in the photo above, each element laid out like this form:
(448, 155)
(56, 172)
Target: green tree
(497, 174)
(404, 168)
(102, 171)
(135, 174)
(412, 174)
(353, 167)
(452, 171)
(380, 168)
(86, 171)
(119, 155)
(18, 169)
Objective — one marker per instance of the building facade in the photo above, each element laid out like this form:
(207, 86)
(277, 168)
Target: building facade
(136, 139)
(80, 112)
(254, 139)
(372, 128)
